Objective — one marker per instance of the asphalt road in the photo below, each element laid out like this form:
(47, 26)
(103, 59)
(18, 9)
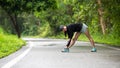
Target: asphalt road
(46, 53)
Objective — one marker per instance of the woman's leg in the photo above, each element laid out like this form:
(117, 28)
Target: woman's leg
(89, 37)
(76, 35)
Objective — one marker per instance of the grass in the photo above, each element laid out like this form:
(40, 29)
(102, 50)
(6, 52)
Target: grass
(98, 38)
(9, 44)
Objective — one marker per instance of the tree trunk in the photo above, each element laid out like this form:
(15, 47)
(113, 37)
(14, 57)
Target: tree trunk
(15, 24)
(101, 20)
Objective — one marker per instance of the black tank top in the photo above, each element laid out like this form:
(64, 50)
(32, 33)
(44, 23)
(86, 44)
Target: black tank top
(76, 27)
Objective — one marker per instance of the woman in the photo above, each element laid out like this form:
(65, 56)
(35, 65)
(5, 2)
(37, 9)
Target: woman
(75, 30)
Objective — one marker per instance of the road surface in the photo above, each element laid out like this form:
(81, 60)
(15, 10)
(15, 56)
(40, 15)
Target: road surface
(46, 53)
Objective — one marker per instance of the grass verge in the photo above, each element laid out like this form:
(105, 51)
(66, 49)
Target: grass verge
(9, 44)
(109, 40)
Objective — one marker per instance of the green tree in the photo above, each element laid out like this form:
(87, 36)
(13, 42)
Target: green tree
(112, 15)
(15, 7)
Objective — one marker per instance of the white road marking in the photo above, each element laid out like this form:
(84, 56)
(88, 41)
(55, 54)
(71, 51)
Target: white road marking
(14, 61)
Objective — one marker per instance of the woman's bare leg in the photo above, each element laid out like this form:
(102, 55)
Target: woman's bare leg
(76, 35)
(89, 37)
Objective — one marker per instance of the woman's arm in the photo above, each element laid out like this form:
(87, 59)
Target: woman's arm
(68, 42)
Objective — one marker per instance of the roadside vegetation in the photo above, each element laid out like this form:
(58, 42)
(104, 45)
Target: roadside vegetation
(9, 44)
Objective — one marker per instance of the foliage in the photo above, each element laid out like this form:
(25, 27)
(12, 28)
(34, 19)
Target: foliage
(45, 23)
(9, 44)
(103, 39)
(15, 7)
(112, 15)
(29, 24)
(19, 6)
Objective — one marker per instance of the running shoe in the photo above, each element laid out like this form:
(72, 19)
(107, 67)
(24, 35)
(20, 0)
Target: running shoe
(66, 50)
(93, 50)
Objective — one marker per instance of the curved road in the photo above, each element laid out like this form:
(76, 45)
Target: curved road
(46, 53)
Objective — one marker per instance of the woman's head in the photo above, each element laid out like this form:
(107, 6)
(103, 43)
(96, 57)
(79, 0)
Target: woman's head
(63, 28)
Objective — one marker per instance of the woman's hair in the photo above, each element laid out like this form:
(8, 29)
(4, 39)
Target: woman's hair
(61, 27)
(65, 33)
